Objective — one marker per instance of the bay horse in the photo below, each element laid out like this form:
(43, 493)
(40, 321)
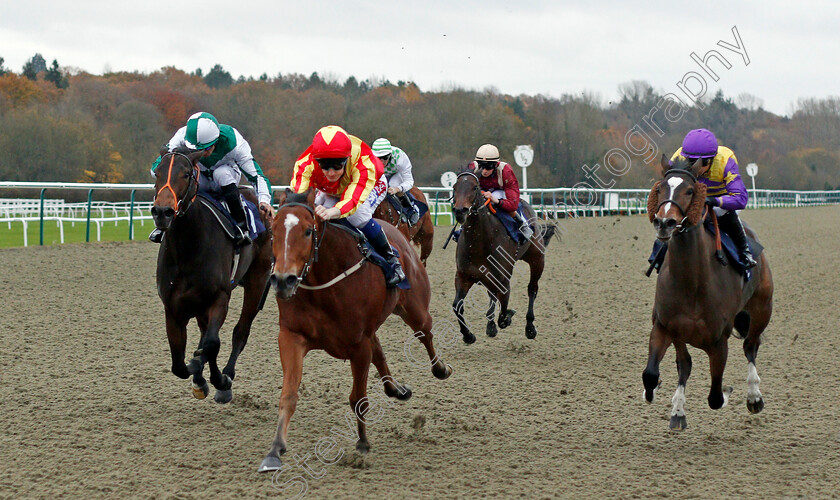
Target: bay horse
(486, 254)
(698, 300)
(421, 234)
(330, 298)
(197, 271)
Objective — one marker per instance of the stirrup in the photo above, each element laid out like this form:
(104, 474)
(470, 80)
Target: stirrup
(747, 260)
(156, 236)
(414, 217)
(398, 274)
(243, 238)
(526, 231)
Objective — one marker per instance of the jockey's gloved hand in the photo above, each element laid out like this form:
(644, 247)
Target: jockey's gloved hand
(713, 201)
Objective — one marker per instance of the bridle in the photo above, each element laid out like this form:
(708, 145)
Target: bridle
(681, 227)
(181, 206)
(318, 237)
(477, 204)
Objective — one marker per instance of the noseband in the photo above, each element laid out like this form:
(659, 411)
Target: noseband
(193, 179)
(477, 204)
(681, 227)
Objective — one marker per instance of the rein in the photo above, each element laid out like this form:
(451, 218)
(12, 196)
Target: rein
(476, 205)
(313, 254)
(181, 208)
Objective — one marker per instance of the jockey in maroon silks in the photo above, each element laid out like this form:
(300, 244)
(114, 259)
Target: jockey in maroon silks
(499, 184)
(725, 189)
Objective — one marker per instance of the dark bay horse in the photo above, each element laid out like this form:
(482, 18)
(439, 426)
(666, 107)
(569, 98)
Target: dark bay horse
(421, 234)
(698, 300)
(330, 298)
(486, 254)
(197, 270)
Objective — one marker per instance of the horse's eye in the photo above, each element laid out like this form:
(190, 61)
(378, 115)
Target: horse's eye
(308, 232)
(690, 191)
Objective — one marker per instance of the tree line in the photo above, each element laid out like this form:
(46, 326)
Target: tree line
(60, 124)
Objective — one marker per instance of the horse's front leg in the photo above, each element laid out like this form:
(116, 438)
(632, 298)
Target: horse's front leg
(176, 333)
(684, 370)
(292, 350)
(462, 287)
(505, 314)
(537, 264)
(250, 307)
(718, 395)
(491, 315)
(208, 349)
(360, 366)
(658, 344)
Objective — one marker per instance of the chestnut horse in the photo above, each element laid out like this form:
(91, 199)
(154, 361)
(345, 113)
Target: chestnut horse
(331, 298)
(421, 234)
(197, 271)
(486, 254)
(698, 300)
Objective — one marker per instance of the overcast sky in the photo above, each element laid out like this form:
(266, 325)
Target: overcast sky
(526, 47)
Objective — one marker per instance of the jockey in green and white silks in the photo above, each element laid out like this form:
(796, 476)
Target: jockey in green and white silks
(228, 156)
(398, 172)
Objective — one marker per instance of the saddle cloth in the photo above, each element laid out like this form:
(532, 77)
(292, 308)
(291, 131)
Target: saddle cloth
(729, 249)
(405, 211)
(219, 207)
(369, 252)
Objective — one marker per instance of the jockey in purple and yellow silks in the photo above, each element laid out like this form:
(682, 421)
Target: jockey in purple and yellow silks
(350, 182)
(726, 192)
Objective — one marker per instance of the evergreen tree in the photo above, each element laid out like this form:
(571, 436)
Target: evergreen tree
(218, 78)
(55, 75)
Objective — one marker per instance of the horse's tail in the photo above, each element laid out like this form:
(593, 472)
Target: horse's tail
(548, 234)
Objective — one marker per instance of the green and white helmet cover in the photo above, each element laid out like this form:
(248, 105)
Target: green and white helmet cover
(202, 131)
(382, 147)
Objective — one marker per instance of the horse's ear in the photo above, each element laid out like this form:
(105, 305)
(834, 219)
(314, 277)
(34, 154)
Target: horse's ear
(310, 197)
(281, 200)
(664, 165)
(696, 167)
(194, 157)
(163, 150)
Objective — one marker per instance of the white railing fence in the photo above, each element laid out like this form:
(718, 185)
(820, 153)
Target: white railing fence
(553, 203)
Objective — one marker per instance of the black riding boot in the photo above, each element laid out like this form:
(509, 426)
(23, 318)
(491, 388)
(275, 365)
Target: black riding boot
(414, 215)
(231, 194)
(524, 227)
(731, 224)
(156, 236)
(383, 247)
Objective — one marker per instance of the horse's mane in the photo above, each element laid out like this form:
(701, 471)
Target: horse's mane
(183, 150)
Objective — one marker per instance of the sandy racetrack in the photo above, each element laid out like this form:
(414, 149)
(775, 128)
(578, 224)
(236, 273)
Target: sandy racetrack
(90, 409)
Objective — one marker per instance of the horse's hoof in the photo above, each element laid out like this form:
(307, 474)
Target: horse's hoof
(223, 397)
(492, 331)
(269, 464)
(678, 422)
(363, 447)
(650, 395)
(200, 392)
(402, 393)
(225, 384)
(442, 374)
(506, 319)
(469, 338)
(755, 406)
(530, 331)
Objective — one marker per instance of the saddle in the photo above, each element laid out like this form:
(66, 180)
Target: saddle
(368, 251)
(404, 211)
(220, 210)
(730, 252)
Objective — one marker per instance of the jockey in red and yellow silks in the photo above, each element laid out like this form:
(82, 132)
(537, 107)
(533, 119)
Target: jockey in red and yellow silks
(350, 182)
(360, 175)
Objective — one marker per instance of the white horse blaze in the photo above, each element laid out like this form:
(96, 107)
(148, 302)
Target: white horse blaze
(753, 394)
(290, 222)
(679, 402)
(673, 183)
